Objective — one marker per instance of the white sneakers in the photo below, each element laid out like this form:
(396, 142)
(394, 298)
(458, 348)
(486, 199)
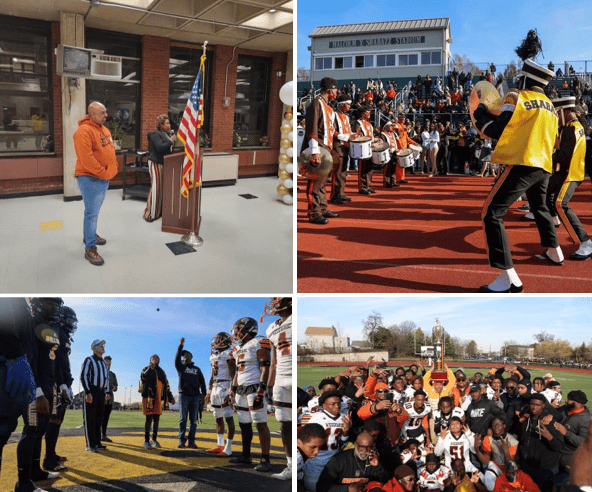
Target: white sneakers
(285, 474)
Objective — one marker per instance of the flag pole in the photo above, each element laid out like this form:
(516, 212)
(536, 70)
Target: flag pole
(193, 238)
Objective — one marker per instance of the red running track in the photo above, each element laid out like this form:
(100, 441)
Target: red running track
(427, 236)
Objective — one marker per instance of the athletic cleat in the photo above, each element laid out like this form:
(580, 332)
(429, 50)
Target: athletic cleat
(54, 466)
(222, 454)
(285, 474)
(242, 459)
(216, 450)
(263, 466)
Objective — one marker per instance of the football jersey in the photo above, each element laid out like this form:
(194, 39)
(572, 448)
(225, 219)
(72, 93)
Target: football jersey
(219, 362)
(247, 363)
(433, 481)
(454, 448)
(334, 429)
(441, 419)
(413, 426)
(407, 455)
(280, 335)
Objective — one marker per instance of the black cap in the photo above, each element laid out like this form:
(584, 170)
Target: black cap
(343, 99)
(577, 395)
(475, 387)
(328, 83)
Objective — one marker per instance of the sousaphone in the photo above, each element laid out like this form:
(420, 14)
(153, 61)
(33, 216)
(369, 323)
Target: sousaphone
(319, 171)
(486, 93)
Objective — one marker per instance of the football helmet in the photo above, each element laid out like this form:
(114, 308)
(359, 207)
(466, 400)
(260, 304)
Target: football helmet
(276, 306)
(69, 319)
(221, 341)
(244, 328)
(47, 308)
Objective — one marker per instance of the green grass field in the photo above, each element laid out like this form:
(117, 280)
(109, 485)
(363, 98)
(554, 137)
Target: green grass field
(309, 374)
(137, 419)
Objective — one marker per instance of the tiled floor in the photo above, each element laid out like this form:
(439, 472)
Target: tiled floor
(247, 246)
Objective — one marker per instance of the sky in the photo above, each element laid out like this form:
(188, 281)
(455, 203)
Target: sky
(487, 320)
(134, 330)
(485, 31)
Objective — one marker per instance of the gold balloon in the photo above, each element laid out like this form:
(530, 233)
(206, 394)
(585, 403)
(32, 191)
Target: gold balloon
(284, 159)
(282, 190)
(285, 129)
(283, 174)
(285, 143)
(288, 115)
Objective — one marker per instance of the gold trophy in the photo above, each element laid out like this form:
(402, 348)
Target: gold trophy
(439, 373)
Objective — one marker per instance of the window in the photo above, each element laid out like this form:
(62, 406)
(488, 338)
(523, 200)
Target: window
(381, 60)
(405, 60)
(328, 63)
(251, 110)
(26, 106)
(323, 63)
(343, 62)
(431, 58)
(369, 61)
(386, 60)
(318, 63)
(184, 63)
(120, 97)
(359, 62)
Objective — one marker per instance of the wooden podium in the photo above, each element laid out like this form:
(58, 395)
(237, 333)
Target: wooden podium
(177, 211)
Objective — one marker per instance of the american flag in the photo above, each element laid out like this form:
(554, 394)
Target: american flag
(189, 133)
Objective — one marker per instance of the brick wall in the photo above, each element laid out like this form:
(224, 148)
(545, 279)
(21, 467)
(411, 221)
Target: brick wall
(155, 83)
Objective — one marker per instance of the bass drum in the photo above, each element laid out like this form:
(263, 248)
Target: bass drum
(405, 158)
(360, 147)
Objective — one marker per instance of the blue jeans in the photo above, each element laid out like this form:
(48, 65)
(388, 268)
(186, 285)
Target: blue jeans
(93, 194)
(188, 405)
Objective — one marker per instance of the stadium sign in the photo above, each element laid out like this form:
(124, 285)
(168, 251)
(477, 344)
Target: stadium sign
(355, 43)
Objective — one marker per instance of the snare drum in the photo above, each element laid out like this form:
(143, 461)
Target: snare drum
(360, 148)
(380, 154)
(416, 150)
(405, 158)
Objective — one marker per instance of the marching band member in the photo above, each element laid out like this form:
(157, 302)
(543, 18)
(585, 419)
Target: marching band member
(526, 131)
(388, 174)
(404, 142)
(569, 162)
(320, 121)
(341, 145)
(364, 127)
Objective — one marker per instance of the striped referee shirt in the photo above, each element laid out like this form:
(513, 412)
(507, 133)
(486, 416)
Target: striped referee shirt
(95, 374)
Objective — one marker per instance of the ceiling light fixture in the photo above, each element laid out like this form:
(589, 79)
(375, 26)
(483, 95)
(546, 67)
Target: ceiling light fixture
(271, 11)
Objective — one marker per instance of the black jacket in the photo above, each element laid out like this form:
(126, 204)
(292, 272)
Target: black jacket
(343, 467)
(480, 413)
(577, 428)
(534, 449)
(191, 380)
(159, 145)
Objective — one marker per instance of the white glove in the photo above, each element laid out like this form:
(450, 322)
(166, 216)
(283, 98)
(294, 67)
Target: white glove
(344, 137)
(314, 146)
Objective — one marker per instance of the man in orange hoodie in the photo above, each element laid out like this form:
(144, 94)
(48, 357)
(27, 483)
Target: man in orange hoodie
(96, 164)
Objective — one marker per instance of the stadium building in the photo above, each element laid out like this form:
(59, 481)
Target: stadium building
(394, 50)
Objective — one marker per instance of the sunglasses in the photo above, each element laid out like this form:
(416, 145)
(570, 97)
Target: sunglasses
(407, 479)
(461, 379)
(382, 391)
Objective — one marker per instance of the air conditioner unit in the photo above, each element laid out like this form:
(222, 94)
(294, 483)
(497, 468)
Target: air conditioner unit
(105, 67)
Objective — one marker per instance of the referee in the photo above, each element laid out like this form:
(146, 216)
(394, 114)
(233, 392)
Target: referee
(95, 381)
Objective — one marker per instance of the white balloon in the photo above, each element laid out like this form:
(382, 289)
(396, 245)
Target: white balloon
(290, 151)
(291, 136)
(288, 183)
(283, 151)
(290, 168)
(282, 166)
(288, 199)
(286, 122)
(286, 93)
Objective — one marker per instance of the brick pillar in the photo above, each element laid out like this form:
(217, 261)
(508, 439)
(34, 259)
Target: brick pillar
(155, 83)
(57, 92)
(221, 118)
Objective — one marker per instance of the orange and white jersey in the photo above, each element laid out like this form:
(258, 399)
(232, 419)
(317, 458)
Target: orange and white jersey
(280, 335)
(219, 362)
(366, 128)
(435, 480)
(247, 363)
(457, 447)
(333, 428)
(391, 139)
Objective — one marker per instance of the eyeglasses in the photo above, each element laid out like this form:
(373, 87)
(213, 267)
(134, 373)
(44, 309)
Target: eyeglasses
(362, 448)
(407, 479)
(382, 391)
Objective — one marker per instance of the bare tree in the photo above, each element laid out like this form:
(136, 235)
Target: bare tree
(472, 348)
(543, 336)
(303, 74)
(371, 325)
(339, 330)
